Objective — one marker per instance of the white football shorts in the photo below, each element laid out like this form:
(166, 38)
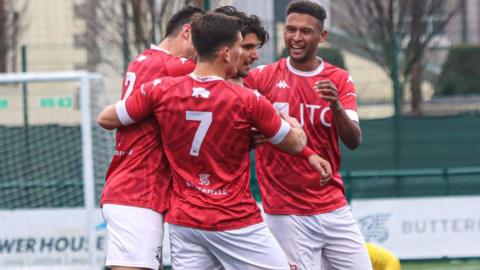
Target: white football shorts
(249, 248)
(326, 241)
(135, 236)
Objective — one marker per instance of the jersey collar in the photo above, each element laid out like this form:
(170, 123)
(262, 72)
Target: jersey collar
(155, 47)
(206, 78)
(311, 73)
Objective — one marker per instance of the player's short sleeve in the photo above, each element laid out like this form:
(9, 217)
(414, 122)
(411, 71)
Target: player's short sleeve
(347, 96)
(251, 80)
(137, 106)
(179, 66)
(265, 118)
(259, 79)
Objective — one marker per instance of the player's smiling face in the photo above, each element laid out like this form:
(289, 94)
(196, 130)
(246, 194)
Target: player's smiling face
(302, 35)
(249, 54)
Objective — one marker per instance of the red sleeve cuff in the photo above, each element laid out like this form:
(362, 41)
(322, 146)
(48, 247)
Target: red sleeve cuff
(306, 152)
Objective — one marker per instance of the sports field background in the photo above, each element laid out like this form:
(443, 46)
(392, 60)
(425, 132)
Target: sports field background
(407, 156)
(442, 265)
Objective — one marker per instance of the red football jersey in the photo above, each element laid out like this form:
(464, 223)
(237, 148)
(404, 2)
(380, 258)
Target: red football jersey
(287, 183)
(205, 125)
(139, 174)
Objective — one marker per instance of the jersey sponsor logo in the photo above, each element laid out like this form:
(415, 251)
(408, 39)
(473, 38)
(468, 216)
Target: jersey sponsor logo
(350, 79)
(314, 112)
(281, 107)
(200, 92)
(183, 59)
(141, 58)
(207, 191)
(282, 84)
(374, 227)
(204, 179)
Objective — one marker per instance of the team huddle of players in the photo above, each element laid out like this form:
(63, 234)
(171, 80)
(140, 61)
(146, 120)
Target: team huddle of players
(190, 113)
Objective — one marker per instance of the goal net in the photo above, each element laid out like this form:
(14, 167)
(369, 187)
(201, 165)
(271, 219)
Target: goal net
(53, 160)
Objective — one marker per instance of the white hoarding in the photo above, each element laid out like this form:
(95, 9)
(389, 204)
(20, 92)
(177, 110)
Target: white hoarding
(420, 228)
(41, 239)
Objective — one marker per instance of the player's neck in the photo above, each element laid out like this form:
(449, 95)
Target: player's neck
(237, 80)
(204, 69)
(309, 65)
(172, 46)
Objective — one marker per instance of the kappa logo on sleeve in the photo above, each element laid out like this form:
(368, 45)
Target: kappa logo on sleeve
(157, 82)
(141, 57)
(257, 94)
(350, 79)
(200, 92)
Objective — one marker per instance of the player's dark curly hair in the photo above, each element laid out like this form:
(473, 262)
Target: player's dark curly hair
(249, 24)
(306, 7)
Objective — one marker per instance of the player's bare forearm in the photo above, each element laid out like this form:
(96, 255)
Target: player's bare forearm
(322, 166)
(348, 130)
(296, 138)
(108, 118)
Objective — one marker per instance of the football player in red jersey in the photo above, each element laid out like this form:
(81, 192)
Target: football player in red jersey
(205, 124)
(312, 221)
(254, 37)
(136, 191)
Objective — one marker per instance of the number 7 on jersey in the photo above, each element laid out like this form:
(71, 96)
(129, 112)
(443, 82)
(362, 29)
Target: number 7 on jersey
(205, 119)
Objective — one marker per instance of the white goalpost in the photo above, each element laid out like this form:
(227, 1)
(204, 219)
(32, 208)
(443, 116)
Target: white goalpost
(49, 187)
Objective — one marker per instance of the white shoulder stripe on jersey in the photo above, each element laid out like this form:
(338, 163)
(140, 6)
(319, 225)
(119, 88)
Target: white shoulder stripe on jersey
(281, 133)
(353, 115)
(121, 109)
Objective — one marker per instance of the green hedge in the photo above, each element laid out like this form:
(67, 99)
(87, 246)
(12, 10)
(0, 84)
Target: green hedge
(332, 55)
(460, 73)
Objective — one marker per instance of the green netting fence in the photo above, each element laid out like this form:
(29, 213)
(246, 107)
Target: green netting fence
(42, 167)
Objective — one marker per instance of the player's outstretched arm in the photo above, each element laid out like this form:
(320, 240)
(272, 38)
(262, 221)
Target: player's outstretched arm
(108, 118)
(128, 111)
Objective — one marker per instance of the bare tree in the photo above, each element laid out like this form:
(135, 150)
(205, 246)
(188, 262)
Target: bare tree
(396, 35)
(140, 18)
(123, 28)
(10, 30)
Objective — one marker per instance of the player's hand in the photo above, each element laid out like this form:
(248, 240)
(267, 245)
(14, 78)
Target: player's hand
(291, 120)
(328, 91)
(322, 166)
(257, 138)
